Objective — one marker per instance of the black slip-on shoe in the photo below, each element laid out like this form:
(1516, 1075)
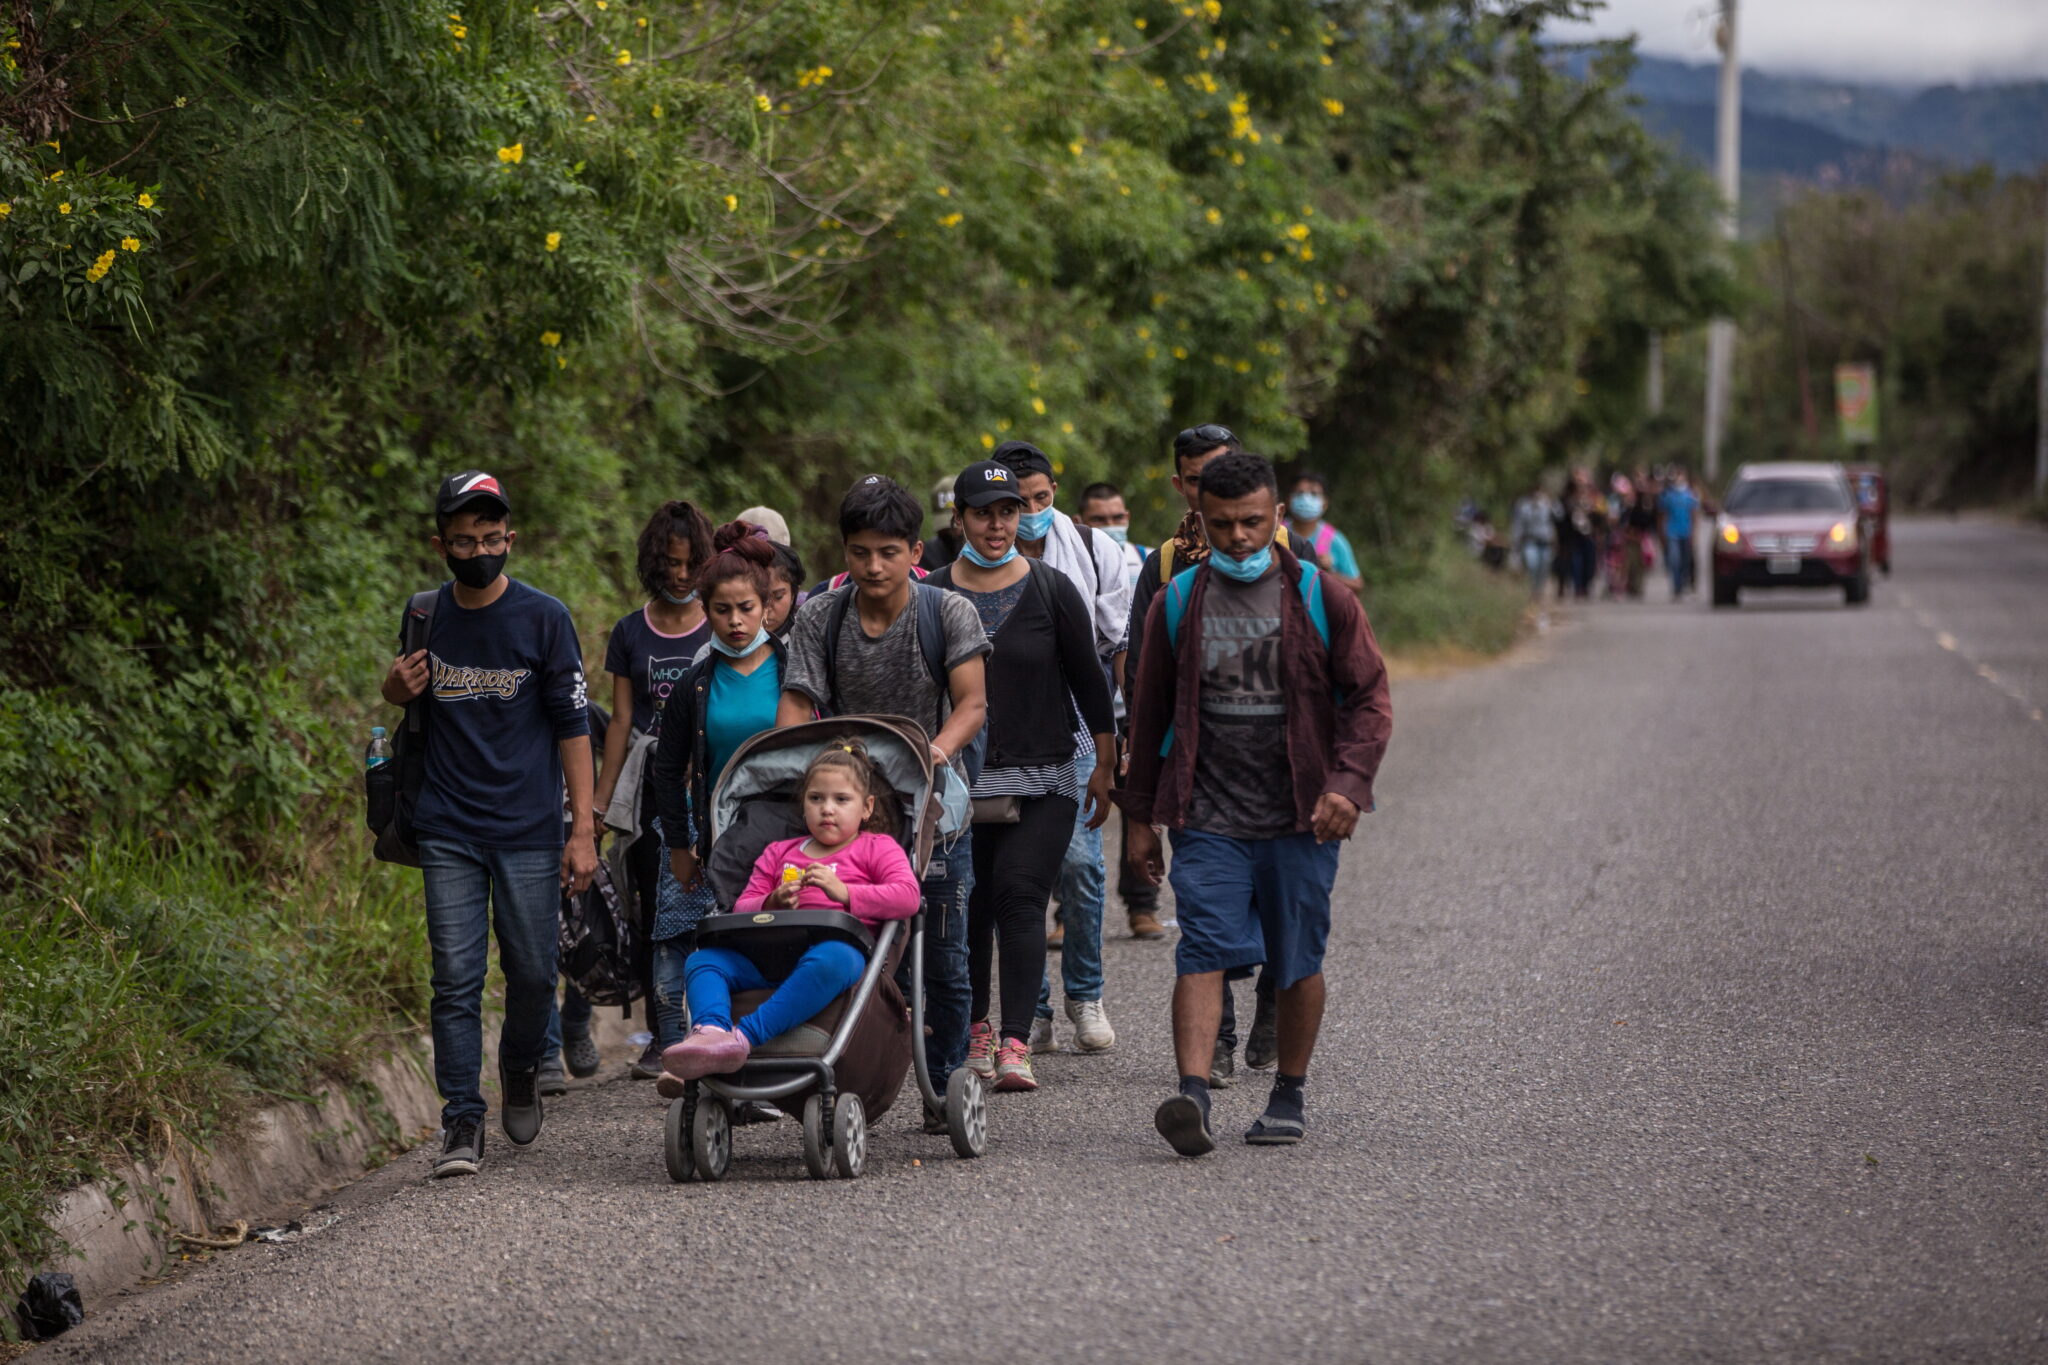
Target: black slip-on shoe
(1275, 1130)
(462, 1149)
(1185, 1127)
(1262, 1044)
(1223, 1067)
(519, 1108)
(582, 1056)
(552, 1079)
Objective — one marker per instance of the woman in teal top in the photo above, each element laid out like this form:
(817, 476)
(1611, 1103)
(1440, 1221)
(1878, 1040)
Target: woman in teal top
(731, 693)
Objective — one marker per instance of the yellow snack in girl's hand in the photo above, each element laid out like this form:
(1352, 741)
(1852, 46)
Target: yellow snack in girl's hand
(791, 874)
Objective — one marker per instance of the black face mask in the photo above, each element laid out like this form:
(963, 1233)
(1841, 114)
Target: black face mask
(478, 571)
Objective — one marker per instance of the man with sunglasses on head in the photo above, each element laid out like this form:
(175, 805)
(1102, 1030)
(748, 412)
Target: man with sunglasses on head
(505, 725)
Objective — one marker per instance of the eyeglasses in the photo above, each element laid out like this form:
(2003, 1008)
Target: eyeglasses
(1204, 436)
(468, 545)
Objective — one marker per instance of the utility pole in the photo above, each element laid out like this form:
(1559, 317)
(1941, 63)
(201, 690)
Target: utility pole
(2041, 435)
(1653, 379)
(1728, 170)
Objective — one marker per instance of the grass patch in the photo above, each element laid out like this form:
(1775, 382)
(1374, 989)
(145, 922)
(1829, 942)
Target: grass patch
(1453, 607)
(159, 992)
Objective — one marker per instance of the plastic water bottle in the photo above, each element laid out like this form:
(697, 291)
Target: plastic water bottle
(379, 751)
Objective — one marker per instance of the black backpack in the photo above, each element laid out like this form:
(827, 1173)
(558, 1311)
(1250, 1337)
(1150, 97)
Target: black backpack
(391, 791)
(597, 943)
(928, 602)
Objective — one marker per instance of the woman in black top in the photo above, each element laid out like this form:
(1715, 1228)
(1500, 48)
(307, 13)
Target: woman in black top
(1042, 669)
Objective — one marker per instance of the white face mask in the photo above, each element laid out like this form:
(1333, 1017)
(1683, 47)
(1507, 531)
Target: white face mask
(1120, 534)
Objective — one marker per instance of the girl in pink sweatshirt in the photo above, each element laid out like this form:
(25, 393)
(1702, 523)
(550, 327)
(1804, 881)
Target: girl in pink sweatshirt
(846, 863)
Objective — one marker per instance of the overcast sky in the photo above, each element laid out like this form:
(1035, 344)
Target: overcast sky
(1917, 42)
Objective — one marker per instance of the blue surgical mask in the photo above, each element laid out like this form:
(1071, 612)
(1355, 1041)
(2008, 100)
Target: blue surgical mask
(974, 556)
(1305, 505)
(676, 601)
(760, 638)
(1120, 534)
(1034, 525)
(1247, 570)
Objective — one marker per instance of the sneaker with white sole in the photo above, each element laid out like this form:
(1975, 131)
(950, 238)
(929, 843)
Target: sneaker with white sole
(1092, 1032)
(1042, 1039)
(981, 1050)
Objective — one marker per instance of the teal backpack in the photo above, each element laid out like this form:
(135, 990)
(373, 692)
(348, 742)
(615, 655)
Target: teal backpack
(1309, 585)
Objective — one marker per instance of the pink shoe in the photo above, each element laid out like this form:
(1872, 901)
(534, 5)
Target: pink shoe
(1013, 1066)
(981, 1050)
(708, 1051)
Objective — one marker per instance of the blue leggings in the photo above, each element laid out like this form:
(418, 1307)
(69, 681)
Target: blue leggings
(713, 974)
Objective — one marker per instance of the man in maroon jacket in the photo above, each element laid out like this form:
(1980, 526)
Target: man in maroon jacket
(1259, 717)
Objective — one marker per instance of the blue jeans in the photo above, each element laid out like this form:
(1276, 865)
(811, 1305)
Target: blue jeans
(472, 890)
(671, 969)
(1678, 558)
(819, 976)
(947, 995)
(1083, 886)
(1536, 564)
(572, 1020)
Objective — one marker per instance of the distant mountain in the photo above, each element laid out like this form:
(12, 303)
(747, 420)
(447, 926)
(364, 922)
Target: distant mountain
(1788, 119)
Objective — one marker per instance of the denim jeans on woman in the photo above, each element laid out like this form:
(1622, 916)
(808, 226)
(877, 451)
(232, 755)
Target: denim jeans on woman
(1083, 886)
(471, 891)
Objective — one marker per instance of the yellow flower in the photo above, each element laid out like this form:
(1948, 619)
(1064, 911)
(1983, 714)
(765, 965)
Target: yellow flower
(56, 175)
(1067, 427)
(131, 244)
(1333, 107)
(1074, 147)
(658, 111)
(64, 207)
(1214, 216)
(5, 208)
(604, 4)
(550, 338)
(642, 21)
(944, 191)
(1243, 274)
(1308, 253)
(732, 203)
(98, 269)
(763, 103)
(512, 155)
(1138, 24)
(554, 241)
(950, 220)
(625, 58)
(1326, 59)
(458, 31)
(1038, 406)
(1299, 232)
(1212, 10)
(1180, 353)
(988, 442)
(562, 362)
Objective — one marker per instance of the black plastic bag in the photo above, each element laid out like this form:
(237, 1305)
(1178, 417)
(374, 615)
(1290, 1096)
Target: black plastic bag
(50, 1306)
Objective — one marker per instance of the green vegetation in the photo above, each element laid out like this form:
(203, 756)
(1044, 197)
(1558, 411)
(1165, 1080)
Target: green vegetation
(1450, 606)
(1940, 286)
(272, 267)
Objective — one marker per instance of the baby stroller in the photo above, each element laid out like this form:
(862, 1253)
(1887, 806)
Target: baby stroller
(845, 1066)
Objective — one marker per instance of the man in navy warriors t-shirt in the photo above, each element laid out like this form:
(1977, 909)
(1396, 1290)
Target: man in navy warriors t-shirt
(501, 679)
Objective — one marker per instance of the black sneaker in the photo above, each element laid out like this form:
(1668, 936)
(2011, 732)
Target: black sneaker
(648, 1067)
(581, 1055)
(1262, 1044)
(462, 1149)
(552, 1081)
(1223, 1067)
(1184, 1123)
(935, 1123)
(519, 1110)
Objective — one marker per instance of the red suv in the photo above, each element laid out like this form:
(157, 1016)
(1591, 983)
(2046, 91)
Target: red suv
(1790, 525)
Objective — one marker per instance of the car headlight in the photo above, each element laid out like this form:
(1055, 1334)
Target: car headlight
(1842, 537)
(1729, 535)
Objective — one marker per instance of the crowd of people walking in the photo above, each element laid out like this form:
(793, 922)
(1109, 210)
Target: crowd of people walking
(1585, 541)
(1222, 689)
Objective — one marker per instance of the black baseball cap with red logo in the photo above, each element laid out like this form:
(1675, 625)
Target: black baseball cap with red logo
(461, 492)
(985, 483)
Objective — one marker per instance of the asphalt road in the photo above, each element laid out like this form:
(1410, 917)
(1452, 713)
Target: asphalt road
(1687, 1004)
